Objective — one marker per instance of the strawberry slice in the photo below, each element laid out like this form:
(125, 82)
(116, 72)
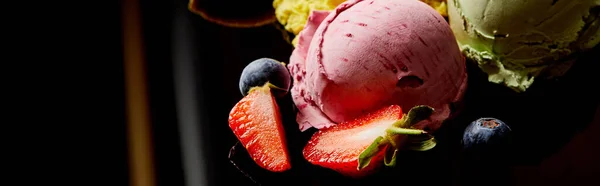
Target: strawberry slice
(256, 122)
(356, 148)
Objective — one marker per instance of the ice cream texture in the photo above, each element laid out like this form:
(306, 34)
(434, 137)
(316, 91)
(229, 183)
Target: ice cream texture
(293, 14)
(515, 41)
(367, 54)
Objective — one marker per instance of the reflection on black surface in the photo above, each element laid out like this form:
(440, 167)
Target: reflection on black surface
(222, 54)
(543, 119)
(235, 13)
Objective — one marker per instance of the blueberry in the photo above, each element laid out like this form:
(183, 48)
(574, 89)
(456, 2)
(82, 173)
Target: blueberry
(264, 70)
(486, 143)
(486, 132)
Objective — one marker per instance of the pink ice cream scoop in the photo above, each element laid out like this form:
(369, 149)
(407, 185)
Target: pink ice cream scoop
(367, 54)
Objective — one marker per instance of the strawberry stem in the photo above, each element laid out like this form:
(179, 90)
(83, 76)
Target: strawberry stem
(274, 87)
(395, 130)
(416, 139)
(265, 86)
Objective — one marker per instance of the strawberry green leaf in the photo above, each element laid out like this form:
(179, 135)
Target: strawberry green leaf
(390, 157)
(420, 143)
(415, 114)
(365, 157)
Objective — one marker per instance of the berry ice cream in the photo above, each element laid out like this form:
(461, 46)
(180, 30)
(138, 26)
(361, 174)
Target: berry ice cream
(367, 54)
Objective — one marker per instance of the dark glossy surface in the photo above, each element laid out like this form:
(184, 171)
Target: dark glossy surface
(543, 119)
(552, 122)
(235, 10)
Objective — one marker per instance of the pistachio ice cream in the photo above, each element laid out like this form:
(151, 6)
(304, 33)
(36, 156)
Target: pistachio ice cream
(515, 41)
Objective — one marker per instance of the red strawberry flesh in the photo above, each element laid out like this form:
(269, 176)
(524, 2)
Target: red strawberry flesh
(256, 122)
(339, 147)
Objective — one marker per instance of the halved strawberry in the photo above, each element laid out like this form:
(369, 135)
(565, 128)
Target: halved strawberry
(256, 122)
(356, 148)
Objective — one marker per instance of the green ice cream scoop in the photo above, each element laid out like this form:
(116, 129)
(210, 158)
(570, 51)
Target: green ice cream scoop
(515, 41)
